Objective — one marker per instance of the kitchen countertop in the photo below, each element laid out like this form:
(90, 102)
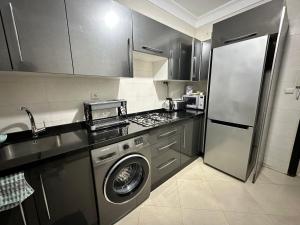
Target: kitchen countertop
(28, 150)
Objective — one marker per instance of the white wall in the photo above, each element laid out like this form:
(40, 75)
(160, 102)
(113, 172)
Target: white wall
(57, 99)
(286, 113)
(204, 33)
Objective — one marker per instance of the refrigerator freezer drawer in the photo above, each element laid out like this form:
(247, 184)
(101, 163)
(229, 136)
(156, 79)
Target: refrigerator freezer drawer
(228, 148)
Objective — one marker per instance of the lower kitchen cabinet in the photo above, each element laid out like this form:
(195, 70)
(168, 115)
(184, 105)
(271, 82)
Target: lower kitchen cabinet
(174, 147)
(64, 191)
(165, 159)
(191, 140)
(14, 216)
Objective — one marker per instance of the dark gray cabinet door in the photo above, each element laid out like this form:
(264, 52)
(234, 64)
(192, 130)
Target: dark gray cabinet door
(64, 191)
(174, 59)
(200, 60)
(5, 64)
(191, 140)
(205, 60)
(165, 159)
(180, 56)
(37, 35)
(101, 37)
(186, 43)
(196, 60)
(150, 36)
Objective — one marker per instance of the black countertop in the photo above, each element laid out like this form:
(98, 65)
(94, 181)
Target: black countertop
(25, 150)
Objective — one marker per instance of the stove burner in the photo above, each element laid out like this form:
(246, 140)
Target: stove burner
(152, 119)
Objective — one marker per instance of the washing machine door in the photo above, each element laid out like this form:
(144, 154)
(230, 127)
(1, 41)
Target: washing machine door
(126, 178)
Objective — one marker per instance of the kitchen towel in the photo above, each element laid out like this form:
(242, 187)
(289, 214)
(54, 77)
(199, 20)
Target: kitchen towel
(14, 189)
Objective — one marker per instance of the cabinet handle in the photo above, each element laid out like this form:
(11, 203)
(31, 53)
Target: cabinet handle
(200, 63)
(168, 163)
(184, 137)
(45, 197)
(194, 66)
(153, 49)
(15, 30)
(129, 56)
(167, 146)
(171, 62)
(240, 38)
(168, 133)
(179, 61)
(22, 213)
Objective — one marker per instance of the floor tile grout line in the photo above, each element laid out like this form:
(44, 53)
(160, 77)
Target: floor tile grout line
(226, 219)
(177, 188)
(258, 214)
(139, 215)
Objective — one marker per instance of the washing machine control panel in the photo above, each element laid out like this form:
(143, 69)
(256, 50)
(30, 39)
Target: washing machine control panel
(139, 141)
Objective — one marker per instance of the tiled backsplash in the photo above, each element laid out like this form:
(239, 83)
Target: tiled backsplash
(57, 99)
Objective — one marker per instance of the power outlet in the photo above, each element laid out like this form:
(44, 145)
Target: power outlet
(95, 95)
(289, 90)
(298, 82)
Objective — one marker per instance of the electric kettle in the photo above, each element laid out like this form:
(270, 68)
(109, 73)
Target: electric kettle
(168, 104)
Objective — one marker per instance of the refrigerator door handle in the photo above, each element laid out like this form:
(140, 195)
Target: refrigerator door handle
(240, 38)
(241, 126)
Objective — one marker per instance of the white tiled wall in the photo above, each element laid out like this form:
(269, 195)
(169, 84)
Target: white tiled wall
(286, 112)
(57, 99)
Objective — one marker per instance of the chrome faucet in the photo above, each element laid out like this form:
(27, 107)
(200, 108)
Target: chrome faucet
(35, 130)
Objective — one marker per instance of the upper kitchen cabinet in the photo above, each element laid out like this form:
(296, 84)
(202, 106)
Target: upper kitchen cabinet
(196, 60)
(185, 47)
(101, 37)
(37, 35)
(205, 60)
(200, 60)
(179, 61)
(150, 36)
(255, 22)
(4, 55)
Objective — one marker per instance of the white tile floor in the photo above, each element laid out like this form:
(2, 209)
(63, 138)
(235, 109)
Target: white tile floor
(200, 195)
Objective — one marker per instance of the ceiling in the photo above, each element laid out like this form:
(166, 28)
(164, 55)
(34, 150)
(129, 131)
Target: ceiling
(200, 12)
(200, 7)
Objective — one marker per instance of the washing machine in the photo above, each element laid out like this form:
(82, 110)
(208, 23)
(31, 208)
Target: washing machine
(122, 177)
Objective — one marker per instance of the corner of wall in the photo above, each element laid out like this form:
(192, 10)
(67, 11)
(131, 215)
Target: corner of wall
(204, 32)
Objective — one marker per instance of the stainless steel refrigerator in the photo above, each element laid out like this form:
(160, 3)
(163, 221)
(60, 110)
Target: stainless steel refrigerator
(236, 77)
(242, 84)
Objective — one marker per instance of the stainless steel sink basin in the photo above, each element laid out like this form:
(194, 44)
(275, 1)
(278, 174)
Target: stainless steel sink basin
(41, 145)
(33, 146)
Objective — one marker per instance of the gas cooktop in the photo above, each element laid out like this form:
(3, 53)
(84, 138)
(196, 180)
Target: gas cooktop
(152, 119)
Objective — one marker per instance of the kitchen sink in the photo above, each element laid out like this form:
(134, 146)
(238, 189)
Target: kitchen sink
(33, 146)
(41, 145)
